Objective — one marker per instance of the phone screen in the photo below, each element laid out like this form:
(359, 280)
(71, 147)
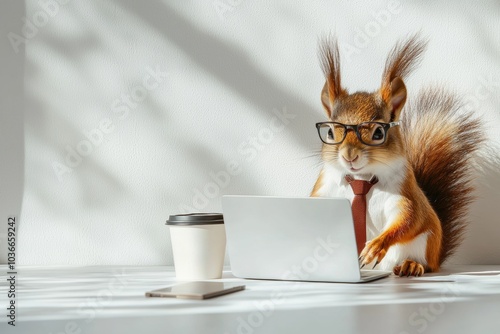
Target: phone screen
(196, 290)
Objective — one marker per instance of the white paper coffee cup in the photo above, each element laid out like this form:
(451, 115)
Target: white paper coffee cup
(198, 245)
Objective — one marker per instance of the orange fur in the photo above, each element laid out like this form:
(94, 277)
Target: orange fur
(436, 187)
(317, 185)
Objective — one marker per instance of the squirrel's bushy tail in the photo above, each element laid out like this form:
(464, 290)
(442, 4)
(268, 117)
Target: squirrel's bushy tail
(441, 140)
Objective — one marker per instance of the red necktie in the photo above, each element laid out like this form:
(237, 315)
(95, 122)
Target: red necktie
(360, 188)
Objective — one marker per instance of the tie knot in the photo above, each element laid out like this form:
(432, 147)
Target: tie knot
(361, 187)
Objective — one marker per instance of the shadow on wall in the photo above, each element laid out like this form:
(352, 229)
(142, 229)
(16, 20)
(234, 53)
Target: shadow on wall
(11, 121)
(95, 185)
(227, 63)
(232, 66)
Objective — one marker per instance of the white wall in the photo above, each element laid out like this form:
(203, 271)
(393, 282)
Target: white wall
(231, 67)
(11, 126)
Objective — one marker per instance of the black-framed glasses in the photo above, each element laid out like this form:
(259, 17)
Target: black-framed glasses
(369, 133)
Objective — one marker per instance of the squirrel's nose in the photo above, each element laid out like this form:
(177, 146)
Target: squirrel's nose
(352, 160)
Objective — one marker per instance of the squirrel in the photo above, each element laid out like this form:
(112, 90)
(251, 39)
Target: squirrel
(416, 213)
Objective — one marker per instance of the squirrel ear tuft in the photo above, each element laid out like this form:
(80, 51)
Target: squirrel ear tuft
(395, 97)
(330, 62)
(402, 59)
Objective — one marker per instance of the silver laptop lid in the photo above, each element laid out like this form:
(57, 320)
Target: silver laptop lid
(307, 239)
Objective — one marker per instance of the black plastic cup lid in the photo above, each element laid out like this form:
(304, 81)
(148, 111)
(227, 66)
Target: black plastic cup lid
(195, 219)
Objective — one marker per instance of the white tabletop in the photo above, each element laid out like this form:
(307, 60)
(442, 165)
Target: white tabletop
(111, 300)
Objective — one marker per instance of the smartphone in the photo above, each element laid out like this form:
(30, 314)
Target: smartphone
(196, 290)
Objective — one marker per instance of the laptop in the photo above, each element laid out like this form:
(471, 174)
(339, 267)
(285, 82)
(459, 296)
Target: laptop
(290, 238)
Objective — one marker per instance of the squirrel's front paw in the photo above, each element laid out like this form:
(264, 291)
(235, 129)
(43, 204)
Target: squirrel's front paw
(374, 250)
(409, 268)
